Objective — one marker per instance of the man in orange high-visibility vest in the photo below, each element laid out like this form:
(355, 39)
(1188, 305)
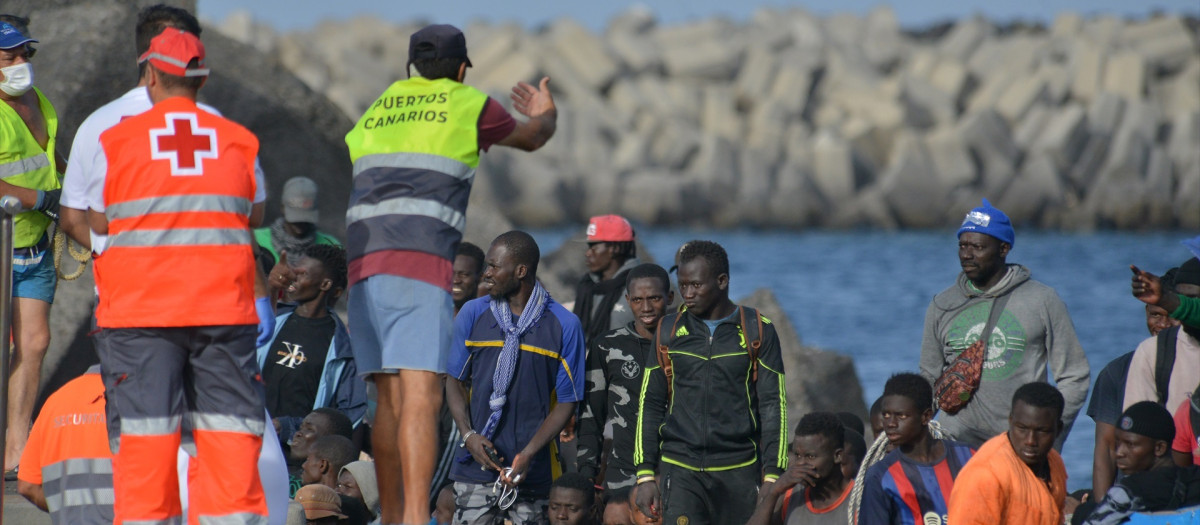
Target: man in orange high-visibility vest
(176, 308)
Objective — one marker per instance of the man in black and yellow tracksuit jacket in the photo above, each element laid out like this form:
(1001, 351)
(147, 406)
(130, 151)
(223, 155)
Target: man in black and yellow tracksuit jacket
(714, 425)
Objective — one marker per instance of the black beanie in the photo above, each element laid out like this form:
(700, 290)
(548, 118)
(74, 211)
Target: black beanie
(1189, 272)
(1150, 419)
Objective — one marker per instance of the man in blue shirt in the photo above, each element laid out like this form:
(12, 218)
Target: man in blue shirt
(522, 355)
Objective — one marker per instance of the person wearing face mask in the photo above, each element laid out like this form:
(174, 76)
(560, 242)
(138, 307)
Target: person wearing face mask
(29, 167)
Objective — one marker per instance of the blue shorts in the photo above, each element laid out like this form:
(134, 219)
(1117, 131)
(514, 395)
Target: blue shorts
(34, 276)
(397, 323)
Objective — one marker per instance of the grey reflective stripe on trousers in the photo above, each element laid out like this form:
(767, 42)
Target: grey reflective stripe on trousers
(149, 426)
(181, 237)
(240, 518)
(173, 520)
(421, 161)
(407, 206)
(22, 166)
(81, 498)
(179, 204)
(227, 423)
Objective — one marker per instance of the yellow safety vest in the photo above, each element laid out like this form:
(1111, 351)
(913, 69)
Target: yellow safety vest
(24, 163)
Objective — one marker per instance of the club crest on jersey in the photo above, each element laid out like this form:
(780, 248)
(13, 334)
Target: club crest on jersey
(630, 369)
(184, 143)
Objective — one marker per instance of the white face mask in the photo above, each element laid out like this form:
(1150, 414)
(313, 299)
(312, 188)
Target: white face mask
(17, 79)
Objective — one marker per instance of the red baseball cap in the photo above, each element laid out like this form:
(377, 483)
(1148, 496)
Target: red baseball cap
(609, 228)
(172, 50)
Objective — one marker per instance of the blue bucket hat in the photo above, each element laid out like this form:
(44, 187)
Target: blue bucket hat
(988, 220)
(11, 37)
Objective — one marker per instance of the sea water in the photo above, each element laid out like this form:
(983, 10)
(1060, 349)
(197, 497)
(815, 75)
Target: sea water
(864, 294)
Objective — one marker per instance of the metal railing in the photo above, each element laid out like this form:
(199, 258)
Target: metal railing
(9, 207)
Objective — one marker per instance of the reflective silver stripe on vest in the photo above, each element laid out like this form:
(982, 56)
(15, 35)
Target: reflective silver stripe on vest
(80, 498)
(149, 426)
(54, 471)
(179, 204)
(227, 423)
(22, 166)
(407, 206)
(180, 237)
(240, 518)
(421, 161)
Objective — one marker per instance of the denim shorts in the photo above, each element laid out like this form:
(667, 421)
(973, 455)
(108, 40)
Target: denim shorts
(34, 276)
(397, 323)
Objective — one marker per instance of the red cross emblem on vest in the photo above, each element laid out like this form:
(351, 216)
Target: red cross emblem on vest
(184, 143)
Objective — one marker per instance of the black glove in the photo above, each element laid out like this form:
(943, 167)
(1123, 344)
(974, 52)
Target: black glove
(47, 203)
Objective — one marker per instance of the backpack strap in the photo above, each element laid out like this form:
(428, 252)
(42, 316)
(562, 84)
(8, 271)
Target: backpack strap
(753, 334)
(1164, 362)
(663, 347)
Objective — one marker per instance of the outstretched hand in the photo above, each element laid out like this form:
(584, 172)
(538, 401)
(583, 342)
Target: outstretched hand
(647, 500)
(533, 102)
(1147, 287)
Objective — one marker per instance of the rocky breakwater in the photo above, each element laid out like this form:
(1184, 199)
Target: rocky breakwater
(795, 120)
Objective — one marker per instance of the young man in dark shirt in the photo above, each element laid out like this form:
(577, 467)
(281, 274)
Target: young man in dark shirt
(308, 363)
(614, 383)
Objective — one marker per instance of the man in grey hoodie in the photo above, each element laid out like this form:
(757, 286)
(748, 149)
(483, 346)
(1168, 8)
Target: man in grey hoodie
(1033, 333)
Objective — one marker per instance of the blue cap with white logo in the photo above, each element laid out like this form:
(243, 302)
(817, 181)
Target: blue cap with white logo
(11, 37)
(988, 220)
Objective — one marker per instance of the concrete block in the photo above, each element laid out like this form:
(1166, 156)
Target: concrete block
(1104, 113)
(1128, 157)
(1143, 117)
(966, 36)
(706, 50)
(1091, 159)
(764, 128)
(630, 153)
(1036, 187)
(926, 106)
(756, 75)
(1181, 94)
(626, 96)
(950, 158)
(988, 94)
(1125, 75)
(1058, 82)
(1087, 70)
(754, 187)
(833, 167)
(1187, 195)
(989, 139)
(1064, 136)
(1066, 25)
(539, 202)
(637, 19)
(868, 209)
(1103, 31)
(950, 77)
(506, 72)
(882, 42)
(673, 144)
(1021, 95)
(1014, 55)
(792, 87)
(493, 46)
(715, 165)
(768, 29)
(683, 97)
(909, 184)
(1185, 135)
(871, 145)
(639, 52)
(1165, 41)
(656, 196)
(1160, 182)
(719, 115)
(1027, 130)
(795, 202)
(921, 62)
(808, 32)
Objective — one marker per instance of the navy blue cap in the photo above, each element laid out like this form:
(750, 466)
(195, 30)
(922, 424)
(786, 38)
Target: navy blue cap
(11, 37)
(438, 41)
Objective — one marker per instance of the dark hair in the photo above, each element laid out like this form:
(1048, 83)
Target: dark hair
(576, 481)
(1040, 395)
(711, 252)
(474, 252)
(332, 259)
(851, 422)
(174, 82)
(912, 386)
(877, 407)
(1168, 279)
(822, 424)
(522, 248)
(624, 249)
(154, 19)
(649, 271)
(435, 68)
(339, 423)
(855, 445)
(335, 449)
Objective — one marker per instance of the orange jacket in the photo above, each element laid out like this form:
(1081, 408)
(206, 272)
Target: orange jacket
(996, 487)
(178, 193)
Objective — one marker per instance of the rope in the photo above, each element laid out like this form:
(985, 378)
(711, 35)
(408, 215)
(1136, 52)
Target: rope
(875, 453)
(82, 256)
